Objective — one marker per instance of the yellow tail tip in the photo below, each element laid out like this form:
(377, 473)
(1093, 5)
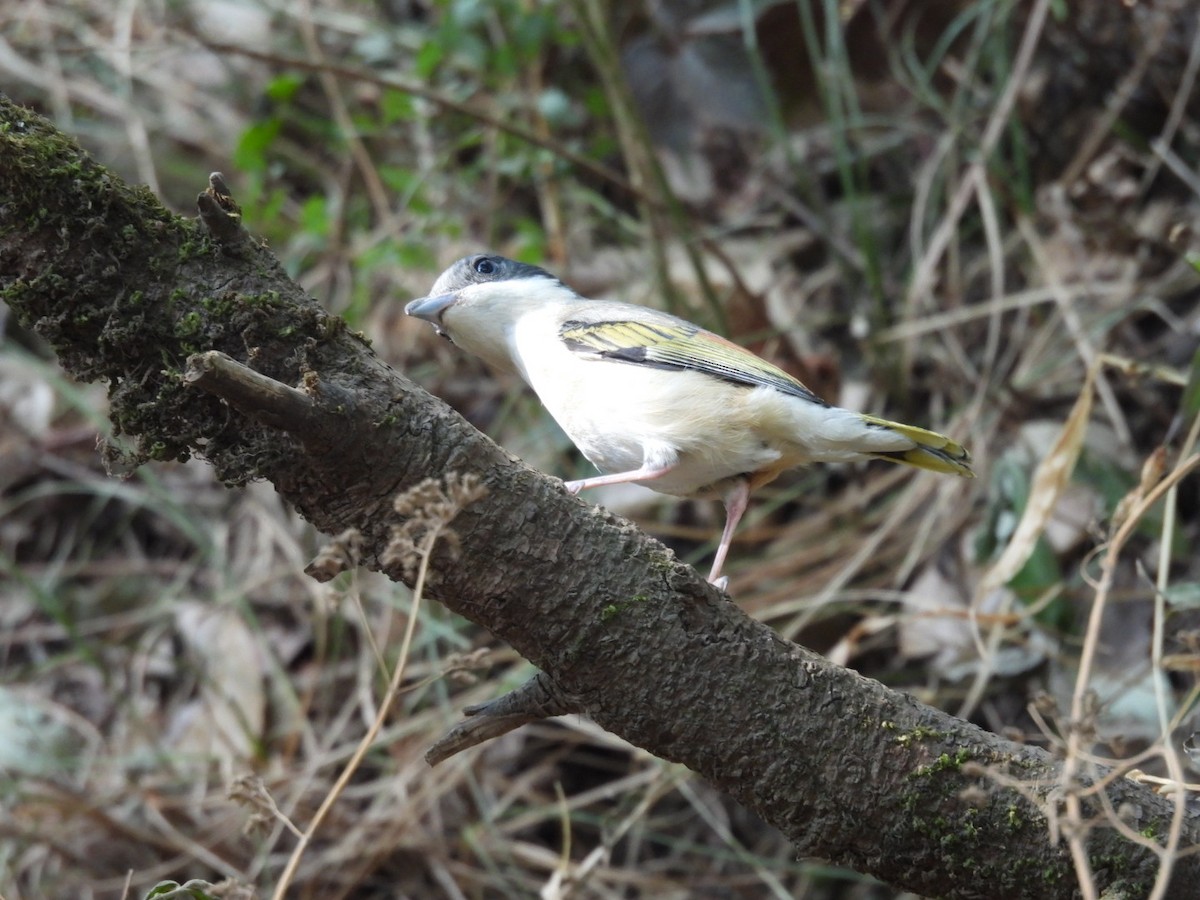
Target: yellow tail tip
(934, 451)
(950, 460)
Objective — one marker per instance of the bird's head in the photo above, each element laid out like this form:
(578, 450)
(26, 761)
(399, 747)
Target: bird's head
(477, 302)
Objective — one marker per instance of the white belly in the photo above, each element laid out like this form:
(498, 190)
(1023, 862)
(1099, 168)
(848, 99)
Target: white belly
(622, 416)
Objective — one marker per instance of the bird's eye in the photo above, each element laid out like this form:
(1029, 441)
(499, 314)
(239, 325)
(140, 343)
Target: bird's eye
(485, 266)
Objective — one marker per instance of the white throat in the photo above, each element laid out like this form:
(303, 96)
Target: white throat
(484, 319)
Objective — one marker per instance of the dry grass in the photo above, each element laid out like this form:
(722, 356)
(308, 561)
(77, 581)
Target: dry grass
(982, 235)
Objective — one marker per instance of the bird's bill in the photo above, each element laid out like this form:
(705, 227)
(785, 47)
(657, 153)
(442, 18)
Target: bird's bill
(430, 308)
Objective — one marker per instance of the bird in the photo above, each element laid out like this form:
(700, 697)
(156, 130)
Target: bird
(652, 399)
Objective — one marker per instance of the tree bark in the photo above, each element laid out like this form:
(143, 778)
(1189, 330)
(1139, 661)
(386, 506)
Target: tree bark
(850, 771)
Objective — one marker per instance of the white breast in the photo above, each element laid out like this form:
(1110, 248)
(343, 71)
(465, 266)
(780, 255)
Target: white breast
(621, 415)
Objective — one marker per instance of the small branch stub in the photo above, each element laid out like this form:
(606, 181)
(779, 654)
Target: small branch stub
(538, 698)
(220, 213)
(263, 399)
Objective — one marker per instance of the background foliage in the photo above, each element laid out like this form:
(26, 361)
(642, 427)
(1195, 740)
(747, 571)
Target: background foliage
(949, 213)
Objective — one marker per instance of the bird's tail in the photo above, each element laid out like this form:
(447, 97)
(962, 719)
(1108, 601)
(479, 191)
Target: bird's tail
(934, 451)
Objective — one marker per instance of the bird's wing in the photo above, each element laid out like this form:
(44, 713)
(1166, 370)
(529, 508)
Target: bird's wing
(670, 343)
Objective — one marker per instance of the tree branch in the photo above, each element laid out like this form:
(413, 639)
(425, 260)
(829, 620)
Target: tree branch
(538, 698)
(850, 771)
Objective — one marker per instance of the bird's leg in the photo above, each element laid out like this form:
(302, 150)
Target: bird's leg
(735, 505)
(645, 473)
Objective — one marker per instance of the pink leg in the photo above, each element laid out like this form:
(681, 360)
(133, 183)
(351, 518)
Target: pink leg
(735, 505)
(645, 473)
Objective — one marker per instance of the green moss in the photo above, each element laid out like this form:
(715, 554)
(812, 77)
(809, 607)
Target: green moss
(221, 307)
(612, 610)
(189, 324)
(944, 763)
(1015, 820)
(191, 248)
(1121, 864)
(920, 734)
(266, 298)
(970, 829)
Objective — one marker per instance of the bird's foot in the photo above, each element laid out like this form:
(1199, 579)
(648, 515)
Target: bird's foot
(721, 584)
(574, 487)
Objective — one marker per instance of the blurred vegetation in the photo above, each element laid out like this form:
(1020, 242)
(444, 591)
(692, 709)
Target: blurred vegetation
(948, 212)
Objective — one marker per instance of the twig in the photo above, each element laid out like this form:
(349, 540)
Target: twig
(262, 398)
(538, 698)
(1102, 126)
(368, 739)
(1170, 754)
(1076, 835)
(946, 229)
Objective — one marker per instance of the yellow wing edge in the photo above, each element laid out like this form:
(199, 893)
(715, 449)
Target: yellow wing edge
(677, 344)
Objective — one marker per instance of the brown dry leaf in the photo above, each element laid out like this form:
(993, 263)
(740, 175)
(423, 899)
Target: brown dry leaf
(1049, 481)
(227, 718)
(1150, 475)
(1079, 506)
(924, 632)
(845, 649)
(939, 626)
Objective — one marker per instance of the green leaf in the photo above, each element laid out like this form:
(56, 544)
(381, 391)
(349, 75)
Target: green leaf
(251, 151)
(283, 87)
(428, 58)
(314, 216)
(396, 106)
